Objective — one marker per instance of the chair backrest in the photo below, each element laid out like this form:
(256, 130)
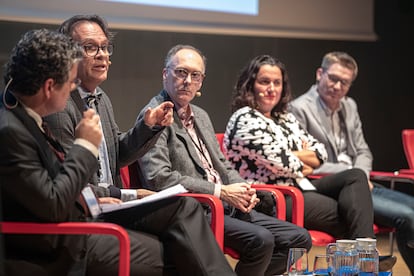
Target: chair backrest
(125, 177)
(408, 144)
(77, 228)
(220, 138)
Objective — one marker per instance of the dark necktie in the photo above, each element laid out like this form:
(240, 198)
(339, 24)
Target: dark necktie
(54, 145)
(92, 102)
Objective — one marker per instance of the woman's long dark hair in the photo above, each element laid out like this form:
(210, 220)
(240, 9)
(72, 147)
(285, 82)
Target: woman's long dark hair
(243, 94)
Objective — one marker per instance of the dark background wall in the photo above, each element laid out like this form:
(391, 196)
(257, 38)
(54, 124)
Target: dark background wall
(383, 90)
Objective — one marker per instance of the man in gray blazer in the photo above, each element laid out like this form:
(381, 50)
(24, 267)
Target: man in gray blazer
(331, 116)
(159, 230)
(187, 152)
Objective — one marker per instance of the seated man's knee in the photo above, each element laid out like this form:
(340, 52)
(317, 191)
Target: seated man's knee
(304, 238)
(263, 241)
(189, 202)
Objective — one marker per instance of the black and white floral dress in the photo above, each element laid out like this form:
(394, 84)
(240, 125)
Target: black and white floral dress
(261, 148)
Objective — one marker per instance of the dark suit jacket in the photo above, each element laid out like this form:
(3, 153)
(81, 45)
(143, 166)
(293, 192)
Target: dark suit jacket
(309, 112)
(174, 160)
(123, 148)
(39, 189)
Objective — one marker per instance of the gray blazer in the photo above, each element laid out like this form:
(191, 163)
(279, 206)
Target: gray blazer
(309, 112)
(123, 148)
(174, 160)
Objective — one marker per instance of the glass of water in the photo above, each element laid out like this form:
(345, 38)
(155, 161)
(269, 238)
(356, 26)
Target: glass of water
(297, 263)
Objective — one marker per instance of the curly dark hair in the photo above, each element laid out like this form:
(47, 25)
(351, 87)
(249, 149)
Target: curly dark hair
(243, 94)
(40, 55)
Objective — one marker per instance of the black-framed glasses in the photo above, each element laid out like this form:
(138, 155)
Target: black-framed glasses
(335, 79)
(92, 50)
(182, 74)
(77, 82)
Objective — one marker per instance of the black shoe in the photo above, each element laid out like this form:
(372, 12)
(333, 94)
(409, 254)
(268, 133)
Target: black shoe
(386, 262)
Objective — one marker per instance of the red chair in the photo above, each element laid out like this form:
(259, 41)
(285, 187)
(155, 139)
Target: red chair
(130, 176)
(220, 138)
(77, 228)
(408, 144)
(215, 205)
(125, 177)
(400, 176)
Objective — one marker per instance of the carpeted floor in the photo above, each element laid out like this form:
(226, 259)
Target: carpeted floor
(400, 269)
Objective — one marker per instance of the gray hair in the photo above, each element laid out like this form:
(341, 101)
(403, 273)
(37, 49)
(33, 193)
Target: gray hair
(171, 53)
(343, 59)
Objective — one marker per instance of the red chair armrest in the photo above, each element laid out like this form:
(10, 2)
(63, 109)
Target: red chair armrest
(297, 201)
(217, 214)
(77, 228)
(279, 199)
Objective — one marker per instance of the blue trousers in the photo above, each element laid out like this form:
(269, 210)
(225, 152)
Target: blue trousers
(396, 209)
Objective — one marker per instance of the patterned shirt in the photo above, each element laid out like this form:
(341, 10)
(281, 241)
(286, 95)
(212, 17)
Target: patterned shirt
(261, 148)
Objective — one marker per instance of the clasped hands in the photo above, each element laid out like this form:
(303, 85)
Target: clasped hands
(240, 195)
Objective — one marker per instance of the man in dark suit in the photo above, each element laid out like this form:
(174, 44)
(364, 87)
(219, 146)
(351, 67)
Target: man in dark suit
(187, 152)
(35, 186)
(38, 186)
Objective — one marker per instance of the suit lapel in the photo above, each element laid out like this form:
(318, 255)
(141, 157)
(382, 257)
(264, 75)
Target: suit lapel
(185, 138)
(46, 155)
(322, 119)
(344, 112)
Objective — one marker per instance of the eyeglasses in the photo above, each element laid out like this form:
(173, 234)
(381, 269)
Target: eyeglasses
(334, 79)
(92, 50)
(77, 82)
(182, 74)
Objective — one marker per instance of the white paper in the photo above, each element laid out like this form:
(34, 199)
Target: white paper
(305, 184)
(174, 190)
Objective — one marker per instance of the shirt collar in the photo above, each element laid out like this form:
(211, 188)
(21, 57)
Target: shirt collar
(185, 114)
(34, 115)
(326, 109)
(83, 93)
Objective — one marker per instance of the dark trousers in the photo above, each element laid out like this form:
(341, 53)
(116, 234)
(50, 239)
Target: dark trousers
(342, 205)
(171, 237)
(262, 242)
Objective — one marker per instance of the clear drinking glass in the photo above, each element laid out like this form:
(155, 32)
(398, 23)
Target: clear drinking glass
(321, 265)
(297, 263)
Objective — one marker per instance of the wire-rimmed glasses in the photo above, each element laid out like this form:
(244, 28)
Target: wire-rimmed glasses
(182, 74)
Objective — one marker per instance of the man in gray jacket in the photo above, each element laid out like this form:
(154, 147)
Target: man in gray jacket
(187, 152)
(331, 116)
